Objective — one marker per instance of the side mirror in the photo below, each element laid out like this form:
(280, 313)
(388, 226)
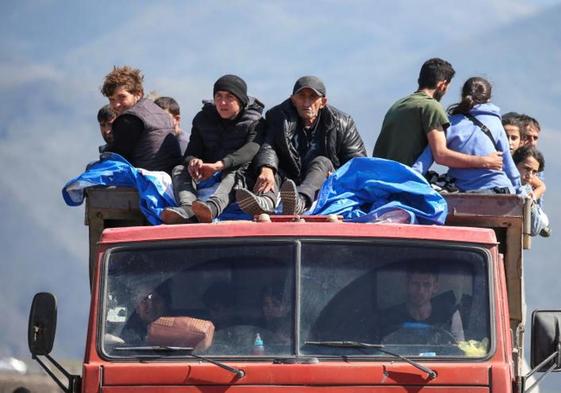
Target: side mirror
(546, 340)
(42, 324)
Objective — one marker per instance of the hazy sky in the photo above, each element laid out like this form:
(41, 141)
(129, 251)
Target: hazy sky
(54, 55)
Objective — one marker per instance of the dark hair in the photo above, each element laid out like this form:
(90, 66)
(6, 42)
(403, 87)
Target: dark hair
(422, 267)
(476, 90)
(105, 114)
(526, 151)
(511, 119)
(276, 290)
(433, 71)
(527, 121)
(130, 78)
(21, 389)
(168, 104)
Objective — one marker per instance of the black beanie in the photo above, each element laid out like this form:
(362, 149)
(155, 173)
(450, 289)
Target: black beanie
(233, 84)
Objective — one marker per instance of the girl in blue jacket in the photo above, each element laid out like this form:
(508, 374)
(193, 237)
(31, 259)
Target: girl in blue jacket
(476, 129)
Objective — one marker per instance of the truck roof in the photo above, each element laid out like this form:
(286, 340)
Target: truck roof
(248, 229)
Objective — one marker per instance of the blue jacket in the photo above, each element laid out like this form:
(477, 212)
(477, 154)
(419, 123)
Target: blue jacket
(465, 137)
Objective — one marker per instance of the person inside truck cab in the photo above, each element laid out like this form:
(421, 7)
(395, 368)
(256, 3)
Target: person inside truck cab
(143, 132)
(149, 304)
(276, 315)
(306, 139)
(220, 306)
(225, 136)
(423, 311)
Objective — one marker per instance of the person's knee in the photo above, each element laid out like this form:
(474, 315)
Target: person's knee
(322, 162)
(178, 170)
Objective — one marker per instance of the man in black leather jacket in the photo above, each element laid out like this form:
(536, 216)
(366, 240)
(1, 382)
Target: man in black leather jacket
(306, 139)
(224, 139)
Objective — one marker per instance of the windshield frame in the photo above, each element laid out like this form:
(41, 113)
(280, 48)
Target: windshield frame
(159, 244)
(297, 242)
(484, 251)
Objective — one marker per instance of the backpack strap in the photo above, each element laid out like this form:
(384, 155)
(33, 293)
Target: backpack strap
(484, 128)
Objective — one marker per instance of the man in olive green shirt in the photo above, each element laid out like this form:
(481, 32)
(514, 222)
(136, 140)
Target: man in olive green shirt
(419, 119)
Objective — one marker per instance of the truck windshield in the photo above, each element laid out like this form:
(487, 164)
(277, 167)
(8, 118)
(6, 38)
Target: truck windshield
(260, 297)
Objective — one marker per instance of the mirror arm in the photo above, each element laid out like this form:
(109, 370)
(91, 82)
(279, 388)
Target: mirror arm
(555, 365)
(72, 379)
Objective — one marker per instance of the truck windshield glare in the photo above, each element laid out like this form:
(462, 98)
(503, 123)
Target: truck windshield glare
(240, 299)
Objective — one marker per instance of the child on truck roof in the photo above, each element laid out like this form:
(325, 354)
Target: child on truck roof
(476, 129)
(105, 118)
(224, 139)
(142, 131)
(530, 162)
(171, 106)
(511, 124)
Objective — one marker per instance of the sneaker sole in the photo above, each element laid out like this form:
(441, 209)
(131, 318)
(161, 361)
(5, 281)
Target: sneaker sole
(171, 217)
(289, 197)
(202, 212)
(249, 204)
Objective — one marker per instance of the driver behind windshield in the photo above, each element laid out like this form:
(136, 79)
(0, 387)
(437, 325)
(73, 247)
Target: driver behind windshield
(150, 304)
(423, 308)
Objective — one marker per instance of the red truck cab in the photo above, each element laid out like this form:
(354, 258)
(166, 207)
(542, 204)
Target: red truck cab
(302, 306)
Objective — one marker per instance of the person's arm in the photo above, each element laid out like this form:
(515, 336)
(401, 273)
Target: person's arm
(267, 160)
(246, 153)
(453, 159)
(538, 187)
(126, 131)
(237, 158)
(352, 144)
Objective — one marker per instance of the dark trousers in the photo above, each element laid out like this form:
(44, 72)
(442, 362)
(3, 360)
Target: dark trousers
(186, 191)
(314, 174)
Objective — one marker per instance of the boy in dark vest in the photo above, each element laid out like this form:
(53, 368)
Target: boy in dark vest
(143, 132)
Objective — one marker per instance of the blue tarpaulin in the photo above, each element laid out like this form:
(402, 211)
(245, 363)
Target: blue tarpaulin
(365, 189)
(154, 188)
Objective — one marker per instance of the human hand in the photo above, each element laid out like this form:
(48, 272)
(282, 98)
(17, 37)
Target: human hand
(493, 161)
(538, 187)
(194, 168)
(265, 181)
(207, 170)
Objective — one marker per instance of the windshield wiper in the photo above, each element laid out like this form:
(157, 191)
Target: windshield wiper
(379, 347)
(187, 350)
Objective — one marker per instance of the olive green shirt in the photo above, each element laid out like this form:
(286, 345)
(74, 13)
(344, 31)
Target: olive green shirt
(404, 132)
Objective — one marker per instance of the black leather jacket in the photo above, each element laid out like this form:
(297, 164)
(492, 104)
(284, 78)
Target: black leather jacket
(340, 139)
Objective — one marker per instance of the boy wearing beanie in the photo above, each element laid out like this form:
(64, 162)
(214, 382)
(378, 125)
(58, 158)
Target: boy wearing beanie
(224, 139)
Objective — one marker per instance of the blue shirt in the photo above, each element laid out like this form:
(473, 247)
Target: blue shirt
(465, 137)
